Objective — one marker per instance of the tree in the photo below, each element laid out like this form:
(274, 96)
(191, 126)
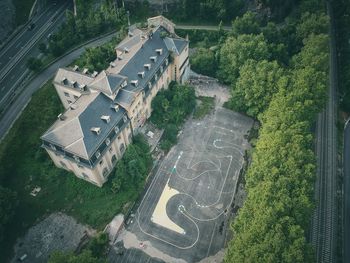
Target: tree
(98, 245)
(247, 24)
(236, 51)
(257, 83)
(203, 61)
(43, 48)
(34, 64)
(312, 24)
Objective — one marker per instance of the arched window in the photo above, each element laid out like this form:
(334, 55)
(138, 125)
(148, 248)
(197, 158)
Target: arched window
(122, 148)
(114, 159)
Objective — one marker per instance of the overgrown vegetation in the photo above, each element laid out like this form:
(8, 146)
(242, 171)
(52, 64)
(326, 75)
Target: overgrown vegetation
(90, 22)
(22, 10)
(170, 109)
(285, 96)
(205, 106)
(98, 58)
(132, 170)
(95, 252)
(24, 165)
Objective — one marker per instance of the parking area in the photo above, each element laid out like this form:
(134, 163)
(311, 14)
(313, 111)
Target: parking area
(184, 214)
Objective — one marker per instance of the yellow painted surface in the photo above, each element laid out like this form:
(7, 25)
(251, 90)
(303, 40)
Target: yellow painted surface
(160, 216)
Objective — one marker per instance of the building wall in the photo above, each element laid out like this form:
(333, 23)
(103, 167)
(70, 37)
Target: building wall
(96, 174)
(178, 62)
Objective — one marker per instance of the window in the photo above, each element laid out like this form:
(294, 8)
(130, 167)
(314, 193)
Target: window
(66, 94)
(105, 172)
(110, 150)
(76, 158)
(108, 141)
(101, 162)
(80, 166)
(76, 97)
(85, 176)
(63, 164)
(119, 137)
(122, 148)
(69, 101)
(114, 159)
(130, 137)
(53, 147)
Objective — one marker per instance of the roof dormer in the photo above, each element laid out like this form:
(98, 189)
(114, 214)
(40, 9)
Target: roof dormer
(153, 58)
(159, 51)
(141, 74)
(134, 82)
(106, 118)
(96, 130)
(147, 66)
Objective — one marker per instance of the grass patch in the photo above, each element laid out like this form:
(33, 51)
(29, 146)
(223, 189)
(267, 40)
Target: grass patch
(206, 105)
(22, 10)
(24, 164)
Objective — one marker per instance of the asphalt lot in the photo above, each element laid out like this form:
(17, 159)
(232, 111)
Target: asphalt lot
(184, 214)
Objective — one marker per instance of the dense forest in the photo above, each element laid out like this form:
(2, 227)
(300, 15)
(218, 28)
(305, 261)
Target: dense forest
(278, 74)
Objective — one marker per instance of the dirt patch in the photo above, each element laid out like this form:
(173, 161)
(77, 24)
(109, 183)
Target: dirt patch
(209, 87)
(56, 232)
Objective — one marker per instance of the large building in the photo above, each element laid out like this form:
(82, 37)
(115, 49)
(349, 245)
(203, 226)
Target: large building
(105, 109)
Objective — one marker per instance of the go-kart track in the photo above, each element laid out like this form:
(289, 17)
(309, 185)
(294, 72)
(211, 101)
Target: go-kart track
(184, 212)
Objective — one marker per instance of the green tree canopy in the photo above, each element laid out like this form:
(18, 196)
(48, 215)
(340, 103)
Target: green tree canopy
(258, 81)
(312, 24)
(236, 51)
(204, 62)
(247, 24)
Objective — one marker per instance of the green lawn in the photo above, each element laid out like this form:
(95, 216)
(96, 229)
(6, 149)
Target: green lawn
(23, 8)
(205, 105)
(23, 165)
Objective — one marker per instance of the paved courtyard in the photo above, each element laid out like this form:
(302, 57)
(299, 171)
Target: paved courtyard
(184, 214)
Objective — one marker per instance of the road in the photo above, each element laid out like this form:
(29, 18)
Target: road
(22, 100)
(346, 226)
(324, 224)
(14, 55)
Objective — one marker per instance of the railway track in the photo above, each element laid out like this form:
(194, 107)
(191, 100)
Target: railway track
(324, 223)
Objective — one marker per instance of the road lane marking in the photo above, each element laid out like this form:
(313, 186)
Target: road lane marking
(18, 44)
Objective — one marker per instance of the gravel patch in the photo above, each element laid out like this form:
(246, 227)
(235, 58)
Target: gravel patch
(56, 232)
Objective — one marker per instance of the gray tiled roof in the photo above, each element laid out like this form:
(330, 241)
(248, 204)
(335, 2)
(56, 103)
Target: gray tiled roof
(136, 64)
(107, 82)
(74, 132)
(175, 44)
(180, 44)
(72, 76)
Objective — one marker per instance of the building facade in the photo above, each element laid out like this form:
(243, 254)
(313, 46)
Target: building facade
(104, 109)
